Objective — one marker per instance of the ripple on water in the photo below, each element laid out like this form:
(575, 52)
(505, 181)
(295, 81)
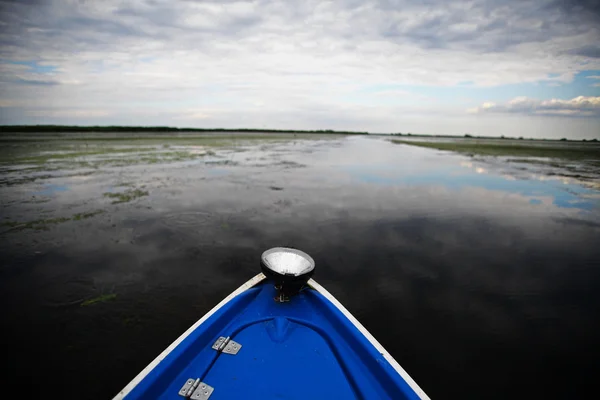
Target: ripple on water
(63, 291)
(187, 219)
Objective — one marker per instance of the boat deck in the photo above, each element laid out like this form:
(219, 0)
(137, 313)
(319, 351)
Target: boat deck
(304, 348)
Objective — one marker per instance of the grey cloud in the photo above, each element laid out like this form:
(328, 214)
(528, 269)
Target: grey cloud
(64, 27)
(167, 15)
(589, 9)
(592, 51)
(41, 82)
(494, 26)
(81, 23)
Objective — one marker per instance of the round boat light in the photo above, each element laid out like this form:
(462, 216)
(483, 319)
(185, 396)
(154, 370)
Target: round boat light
(289, 268)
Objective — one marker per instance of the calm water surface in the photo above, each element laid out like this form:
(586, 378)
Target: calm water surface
(481, 278)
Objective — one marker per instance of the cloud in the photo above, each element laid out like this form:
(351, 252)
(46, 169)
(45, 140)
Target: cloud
(433, 42)
(577, 107)
(592, 51)
(308, 64)
(23, 81)
(10, 103)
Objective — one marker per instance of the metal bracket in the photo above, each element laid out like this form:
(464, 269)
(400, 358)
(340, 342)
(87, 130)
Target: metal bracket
(202, 392)
(187, 389)
(220, 343)
(196, 390)
(226, 345)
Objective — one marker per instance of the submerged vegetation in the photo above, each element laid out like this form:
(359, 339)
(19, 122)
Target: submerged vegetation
(80, 216)
(31, 163)
(126, 196)
(100, 299)
(36, 224)
(43, 224)
(589, 152)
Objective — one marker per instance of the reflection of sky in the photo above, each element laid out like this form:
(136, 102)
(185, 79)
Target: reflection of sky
(565, 195)
(217, 172)
(51, 189)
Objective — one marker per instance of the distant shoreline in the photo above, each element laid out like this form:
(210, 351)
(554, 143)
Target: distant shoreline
(4, 129)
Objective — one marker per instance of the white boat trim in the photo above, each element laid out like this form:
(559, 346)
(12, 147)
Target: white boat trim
(252, 282)
(312, 283)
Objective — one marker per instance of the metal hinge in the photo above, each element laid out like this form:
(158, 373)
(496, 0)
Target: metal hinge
(196, 390)
(226, 345)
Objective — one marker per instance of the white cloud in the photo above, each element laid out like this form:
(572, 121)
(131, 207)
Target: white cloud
(578, 106)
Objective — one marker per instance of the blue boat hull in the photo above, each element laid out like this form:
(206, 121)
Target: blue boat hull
(309, 347)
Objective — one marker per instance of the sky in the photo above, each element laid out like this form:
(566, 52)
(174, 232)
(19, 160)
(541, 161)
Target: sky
(491, 68)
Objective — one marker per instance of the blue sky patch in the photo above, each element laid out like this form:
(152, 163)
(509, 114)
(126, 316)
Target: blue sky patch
(35, 67)
(564, 195)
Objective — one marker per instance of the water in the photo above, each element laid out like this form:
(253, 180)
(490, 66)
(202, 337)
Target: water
(480, 277)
